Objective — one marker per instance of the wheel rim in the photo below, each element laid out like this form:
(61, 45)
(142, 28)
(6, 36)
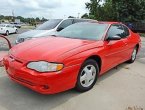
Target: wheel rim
(134, 54)
(88, 76)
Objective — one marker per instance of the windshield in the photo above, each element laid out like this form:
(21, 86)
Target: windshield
(2, 25)
(51, 24)
(91, 31)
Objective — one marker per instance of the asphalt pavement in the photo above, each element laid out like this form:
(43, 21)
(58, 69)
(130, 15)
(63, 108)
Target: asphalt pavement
(118, 89)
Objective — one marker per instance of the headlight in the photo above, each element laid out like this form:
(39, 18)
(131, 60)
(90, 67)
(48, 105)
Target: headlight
(43, 66)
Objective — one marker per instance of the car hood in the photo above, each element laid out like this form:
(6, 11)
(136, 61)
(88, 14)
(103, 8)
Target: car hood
(36, 33)
(48, 49)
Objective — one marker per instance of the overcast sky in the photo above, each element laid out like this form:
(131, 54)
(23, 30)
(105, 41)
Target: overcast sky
(43, 8)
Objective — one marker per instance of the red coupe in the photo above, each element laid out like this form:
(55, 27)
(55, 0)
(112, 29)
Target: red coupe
(72, 58)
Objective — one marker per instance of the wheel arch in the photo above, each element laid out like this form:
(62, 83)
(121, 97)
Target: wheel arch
(137, 45)
(98, 59)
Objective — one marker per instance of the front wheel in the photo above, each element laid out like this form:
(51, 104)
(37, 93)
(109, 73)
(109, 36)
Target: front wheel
(87, 76)
(133, 56)
(16, 32)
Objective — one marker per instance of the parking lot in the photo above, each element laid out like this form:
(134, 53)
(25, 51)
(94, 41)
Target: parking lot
(118, 89)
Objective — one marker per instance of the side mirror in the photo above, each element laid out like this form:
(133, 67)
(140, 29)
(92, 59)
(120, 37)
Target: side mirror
(60, 28)
(114, 38)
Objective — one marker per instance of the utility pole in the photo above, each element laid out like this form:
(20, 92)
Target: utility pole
(13, 16)
(78, 15)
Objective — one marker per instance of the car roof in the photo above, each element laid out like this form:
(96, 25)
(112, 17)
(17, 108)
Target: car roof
(110, 22)
(100, 22)
(80, 19)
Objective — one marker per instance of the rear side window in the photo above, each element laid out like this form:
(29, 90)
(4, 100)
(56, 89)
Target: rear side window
(8, 26)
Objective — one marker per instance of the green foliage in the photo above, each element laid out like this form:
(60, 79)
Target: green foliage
(22, 19)
(71, 17)
(85, 16)
(117, 10)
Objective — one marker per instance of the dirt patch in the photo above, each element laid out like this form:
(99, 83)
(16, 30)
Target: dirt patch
(134, 108)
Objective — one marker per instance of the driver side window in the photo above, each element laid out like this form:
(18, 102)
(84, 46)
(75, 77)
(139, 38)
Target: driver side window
(116, 30)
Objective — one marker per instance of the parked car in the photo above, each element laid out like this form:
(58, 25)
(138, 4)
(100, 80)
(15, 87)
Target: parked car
(8, 29)
(73, 58)
(48, 28)
(17, 25)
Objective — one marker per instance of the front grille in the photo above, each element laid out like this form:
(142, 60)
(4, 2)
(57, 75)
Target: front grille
(22, 80)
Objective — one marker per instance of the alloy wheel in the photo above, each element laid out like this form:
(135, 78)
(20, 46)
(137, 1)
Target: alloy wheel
(88, 76)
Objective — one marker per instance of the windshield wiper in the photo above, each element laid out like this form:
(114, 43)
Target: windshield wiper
(54, 35)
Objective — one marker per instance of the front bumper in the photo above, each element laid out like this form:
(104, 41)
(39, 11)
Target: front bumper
(44, 83)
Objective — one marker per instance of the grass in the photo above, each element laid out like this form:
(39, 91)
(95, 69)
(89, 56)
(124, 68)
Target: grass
(28, 27)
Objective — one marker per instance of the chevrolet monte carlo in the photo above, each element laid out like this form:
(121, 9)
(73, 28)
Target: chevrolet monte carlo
(72, 58)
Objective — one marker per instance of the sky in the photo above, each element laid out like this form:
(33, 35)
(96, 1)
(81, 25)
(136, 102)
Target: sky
(43, 8)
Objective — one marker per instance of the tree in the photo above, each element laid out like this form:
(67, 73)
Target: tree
(94, 8)
(86, 16)
(71, 17)
(22, 19)
(117, 10)
(38, 19)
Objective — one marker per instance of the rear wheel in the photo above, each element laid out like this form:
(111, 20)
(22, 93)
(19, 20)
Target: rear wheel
(7, 32)
(133, 56)
(87, 76)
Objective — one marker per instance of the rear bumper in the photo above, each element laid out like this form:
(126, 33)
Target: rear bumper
(44, 83)
(2, 31)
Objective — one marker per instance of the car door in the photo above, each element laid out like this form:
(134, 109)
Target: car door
(126, 37)
(8, 28)
(12, 29)
(65, 24)
(114, 52)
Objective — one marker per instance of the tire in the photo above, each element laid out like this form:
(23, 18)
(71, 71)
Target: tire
(86, 78)
(16, 32)
(7, 33)
(133, 56)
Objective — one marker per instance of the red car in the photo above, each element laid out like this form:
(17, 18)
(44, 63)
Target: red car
(73, 58)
